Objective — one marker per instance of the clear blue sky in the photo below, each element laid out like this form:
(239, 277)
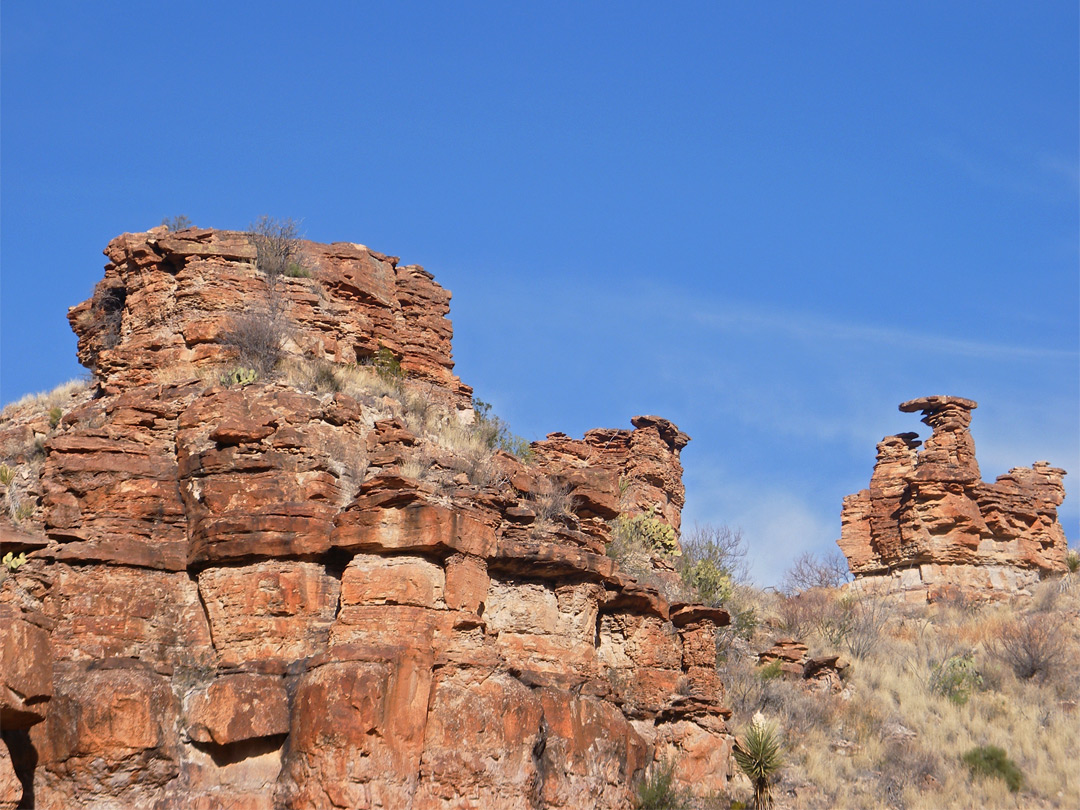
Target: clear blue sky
(769, 222)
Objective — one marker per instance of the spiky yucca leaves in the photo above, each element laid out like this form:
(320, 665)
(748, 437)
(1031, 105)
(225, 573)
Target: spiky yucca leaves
(758, 756)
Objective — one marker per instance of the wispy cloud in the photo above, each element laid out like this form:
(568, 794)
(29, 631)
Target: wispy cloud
(748, 319)
(1013, 171)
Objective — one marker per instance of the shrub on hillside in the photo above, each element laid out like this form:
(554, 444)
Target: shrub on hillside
(758, 756)
(990, 761)
(1033, 646)
(816, 571)
(955, 677)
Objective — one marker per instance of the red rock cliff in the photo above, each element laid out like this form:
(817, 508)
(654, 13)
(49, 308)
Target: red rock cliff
(928, 524)
(325, 595)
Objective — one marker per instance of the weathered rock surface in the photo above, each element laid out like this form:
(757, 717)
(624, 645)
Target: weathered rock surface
(264, 597)
(168, 299)
(930, 526)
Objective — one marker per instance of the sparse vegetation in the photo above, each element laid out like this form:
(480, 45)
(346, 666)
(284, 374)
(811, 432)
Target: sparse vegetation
(56, 413)
(496, 434)
(991, 761)
(931, 686)
(240, 376)
(257, 337)
(1033, 646)
(758, 756)
(7, 474)
(955, 677)
(1072, 561)
(278, 246)
(657, 791)
(552, 502)
(177, 223)
(713, 560)
(816, 571)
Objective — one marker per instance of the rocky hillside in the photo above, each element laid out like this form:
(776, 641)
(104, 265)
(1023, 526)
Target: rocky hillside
(277, 560)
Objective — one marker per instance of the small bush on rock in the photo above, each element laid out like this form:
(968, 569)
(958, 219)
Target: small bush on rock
(657, 791)
(277, 245)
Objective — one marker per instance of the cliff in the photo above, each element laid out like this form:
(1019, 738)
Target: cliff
(931, 527)
(325, 588)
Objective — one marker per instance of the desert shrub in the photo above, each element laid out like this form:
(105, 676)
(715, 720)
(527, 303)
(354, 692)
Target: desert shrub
(496, 433)
(800, 614)
(386, 365)
(296, 270)
(858, 622)
(758, 755)
(657, 791)
(1072, 561)
(990, 761)
(177, 223)
(1033, 646)
(713, 557)
(816, 571)
(770, 671)
(646, 531)
(905, 764)
(552, 501)
(257, 337)
(277, 246)
(7, 474)
(108, 307)
(744, 689)
(240, 376)
(955, 678)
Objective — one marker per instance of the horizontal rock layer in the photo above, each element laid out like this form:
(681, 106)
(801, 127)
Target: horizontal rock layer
(264, 597)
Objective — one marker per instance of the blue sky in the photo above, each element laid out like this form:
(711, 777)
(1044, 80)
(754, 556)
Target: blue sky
(769, 222)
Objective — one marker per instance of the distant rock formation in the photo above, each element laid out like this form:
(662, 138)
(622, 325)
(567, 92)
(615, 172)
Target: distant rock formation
(929, 526)
(276, 596)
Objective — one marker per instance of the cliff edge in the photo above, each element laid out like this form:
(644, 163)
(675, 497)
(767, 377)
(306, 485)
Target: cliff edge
(325, 586)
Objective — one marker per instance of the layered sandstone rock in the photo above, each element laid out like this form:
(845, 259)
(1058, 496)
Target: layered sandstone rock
(929, 525)
(168, 300)
(265, 596)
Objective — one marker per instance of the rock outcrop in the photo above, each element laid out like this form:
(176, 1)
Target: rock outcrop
(931, 527)
(326, 595)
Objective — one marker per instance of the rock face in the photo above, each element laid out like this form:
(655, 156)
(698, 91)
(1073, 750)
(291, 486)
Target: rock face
(325, 596)
(168, 301)
(929, 526)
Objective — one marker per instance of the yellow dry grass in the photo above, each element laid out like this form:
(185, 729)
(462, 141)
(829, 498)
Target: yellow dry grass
(894, 739)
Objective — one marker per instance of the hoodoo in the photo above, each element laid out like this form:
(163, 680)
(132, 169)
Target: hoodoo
(929, 526)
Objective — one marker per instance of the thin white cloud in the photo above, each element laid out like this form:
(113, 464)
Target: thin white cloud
(748, 319)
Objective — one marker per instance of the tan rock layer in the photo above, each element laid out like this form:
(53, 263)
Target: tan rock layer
(929, 507)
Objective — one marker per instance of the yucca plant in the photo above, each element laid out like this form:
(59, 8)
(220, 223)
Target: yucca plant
(758, 756)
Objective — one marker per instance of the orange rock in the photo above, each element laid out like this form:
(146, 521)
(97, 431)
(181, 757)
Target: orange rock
(236, 708)
(237, 597)
(929, 520)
